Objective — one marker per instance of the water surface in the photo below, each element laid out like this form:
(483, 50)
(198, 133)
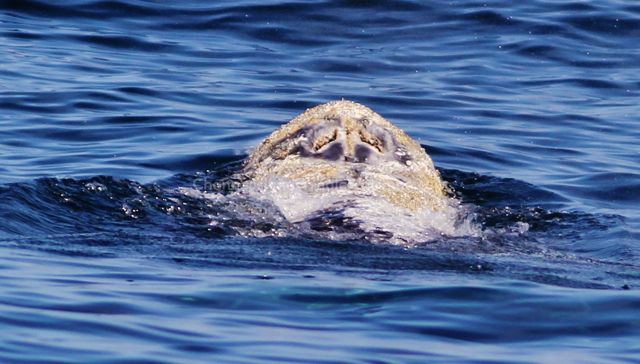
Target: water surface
(529, 110)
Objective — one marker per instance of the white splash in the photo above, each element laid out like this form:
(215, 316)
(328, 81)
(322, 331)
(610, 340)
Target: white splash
(297, 202)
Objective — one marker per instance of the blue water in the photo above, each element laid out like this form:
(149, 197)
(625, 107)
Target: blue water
(530, 110)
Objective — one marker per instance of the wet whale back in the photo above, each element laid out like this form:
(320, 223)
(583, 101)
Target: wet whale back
(341, 165)
(343, 139)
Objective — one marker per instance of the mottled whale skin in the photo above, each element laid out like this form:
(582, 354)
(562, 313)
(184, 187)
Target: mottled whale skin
(345, 150)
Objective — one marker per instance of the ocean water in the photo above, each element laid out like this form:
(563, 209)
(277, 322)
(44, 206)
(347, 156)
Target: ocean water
(530, 110)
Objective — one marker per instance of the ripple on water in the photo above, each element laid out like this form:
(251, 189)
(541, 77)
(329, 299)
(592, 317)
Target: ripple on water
(529, 110)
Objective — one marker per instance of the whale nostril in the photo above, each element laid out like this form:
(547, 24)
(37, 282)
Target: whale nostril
(324, 140)
(362, 154)
(371, 140)
(333, 153)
